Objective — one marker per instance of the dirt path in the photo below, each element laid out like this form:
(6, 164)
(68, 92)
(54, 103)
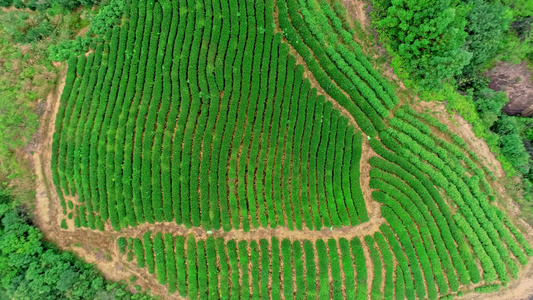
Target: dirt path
(44, 212)
(254, 234)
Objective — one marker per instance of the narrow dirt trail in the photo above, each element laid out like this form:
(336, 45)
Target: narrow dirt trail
(254, 234)
(44, 200)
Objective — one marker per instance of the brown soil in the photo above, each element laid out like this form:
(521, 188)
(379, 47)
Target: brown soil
(44, 213)
(281, 233)
(515, 81)
(357, 11)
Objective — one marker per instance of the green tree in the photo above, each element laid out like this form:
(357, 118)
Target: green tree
(489, 104)
(427, 37)
(521, 8)
(508, 125)
(513, 148)
(487, 23)
(33, 269)
(6, 3)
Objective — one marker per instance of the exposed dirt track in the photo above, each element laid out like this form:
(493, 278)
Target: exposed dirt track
(44, 212)
(255, 234)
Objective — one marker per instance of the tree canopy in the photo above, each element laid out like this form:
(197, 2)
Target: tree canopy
(428, 38)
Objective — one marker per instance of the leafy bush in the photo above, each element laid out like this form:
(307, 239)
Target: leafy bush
(491, 288)
(6, 3)
(514, 150)
(138, 250)
(512, 146)
(65, 50)
(149, 252)
(108, 16)
(489, 105)
(121, 242)
(160, 260)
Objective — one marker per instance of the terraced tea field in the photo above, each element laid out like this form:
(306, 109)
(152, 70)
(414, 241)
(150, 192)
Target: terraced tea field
(249, 149)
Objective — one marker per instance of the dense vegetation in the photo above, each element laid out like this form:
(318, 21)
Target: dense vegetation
(427, 37)
(225, 115)
(31, 268)
(26, 77)
(42, 5)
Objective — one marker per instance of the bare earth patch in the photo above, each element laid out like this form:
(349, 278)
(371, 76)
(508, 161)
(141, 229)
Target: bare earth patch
(515, 81)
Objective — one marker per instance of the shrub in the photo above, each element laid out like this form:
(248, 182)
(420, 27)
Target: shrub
(122, 243)
(148, 249)
(107, 17)
(139, 252)
(170, 263)
(488, 288)
(69, 48)
(64, 224)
